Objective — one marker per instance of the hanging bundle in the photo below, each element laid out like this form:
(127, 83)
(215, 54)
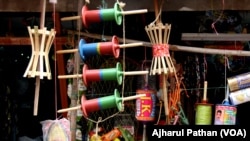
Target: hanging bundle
(41, 41)
(159, 36)
(162, 63)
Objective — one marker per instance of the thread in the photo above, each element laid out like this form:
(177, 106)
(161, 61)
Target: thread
(203, 114)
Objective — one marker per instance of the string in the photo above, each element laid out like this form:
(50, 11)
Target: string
(203, 114)
(205, 68)
(226, 85)
(77, 61)
(104, 5)
(102, 120)
(225, 74)
(221, 14)
(158, 15)
(97, 125)
(159, 115)
(124, 53)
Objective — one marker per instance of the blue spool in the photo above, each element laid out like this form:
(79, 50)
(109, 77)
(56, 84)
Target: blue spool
(101, 48)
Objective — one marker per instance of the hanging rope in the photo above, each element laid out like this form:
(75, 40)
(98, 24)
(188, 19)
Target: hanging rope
(221, 14)
(158, 16)
(124, 53)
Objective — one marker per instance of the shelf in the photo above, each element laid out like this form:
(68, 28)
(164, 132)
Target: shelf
(215, 37)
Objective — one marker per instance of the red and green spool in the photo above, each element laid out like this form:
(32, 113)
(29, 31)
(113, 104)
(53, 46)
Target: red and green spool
(95, 16)
(107, 74)
(101, 103)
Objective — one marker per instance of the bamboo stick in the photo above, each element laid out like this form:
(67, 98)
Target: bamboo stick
(124, 73)
(133, 97)
(191, 49)
(205, 92)
(69, 109)
(130, 45)
(135, 72)
(66, 51)
(120, 46)
(122, 99)
(141, 11)
(131, 12)
(70, 18)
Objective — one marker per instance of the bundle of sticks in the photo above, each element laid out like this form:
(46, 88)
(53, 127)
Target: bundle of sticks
(159, 37)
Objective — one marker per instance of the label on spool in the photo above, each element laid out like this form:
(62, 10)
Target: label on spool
(240, 96)
(145, 106)
(239, 82)
(225, 115)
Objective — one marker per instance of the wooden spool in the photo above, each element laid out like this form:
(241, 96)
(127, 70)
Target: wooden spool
(106, 74)
(41, 41)
(101, 48)
(110, 14)
(159, 36)
(102, 103)
(203, 115)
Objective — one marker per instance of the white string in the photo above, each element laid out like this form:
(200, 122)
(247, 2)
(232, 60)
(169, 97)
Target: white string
(55, 56)
(158, 15)
(121, 4)
(225, 77)
(124, 62)
(226, 85)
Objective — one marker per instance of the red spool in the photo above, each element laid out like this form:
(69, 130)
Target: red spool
(89, 16)
(112, 47)
(89, 74)
(145, 106)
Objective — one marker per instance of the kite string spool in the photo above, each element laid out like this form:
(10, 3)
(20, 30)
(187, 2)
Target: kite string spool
(100, 48)
(103, 74)
(101, 103)
(203, 114)
(92, 16)
(204, 110)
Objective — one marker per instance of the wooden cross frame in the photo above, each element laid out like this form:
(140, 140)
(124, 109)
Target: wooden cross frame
(159, 37)
(162, 63)
(41, 42)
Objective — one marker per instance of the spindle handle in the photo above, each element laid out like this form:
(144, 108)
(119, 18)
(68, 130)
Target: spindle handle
(69, 109)
(66, 51)
(69, 76)
(130, 45)
(134, 12)
(205, 91)
(70, 18)
(135, 72)
(133, 97)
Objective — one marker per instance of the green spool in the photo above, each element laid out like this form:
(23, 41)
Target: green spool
(111, 101)
(203, 114)
(119, 73)
(112, 13)
(113, 73)
(118, 15)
